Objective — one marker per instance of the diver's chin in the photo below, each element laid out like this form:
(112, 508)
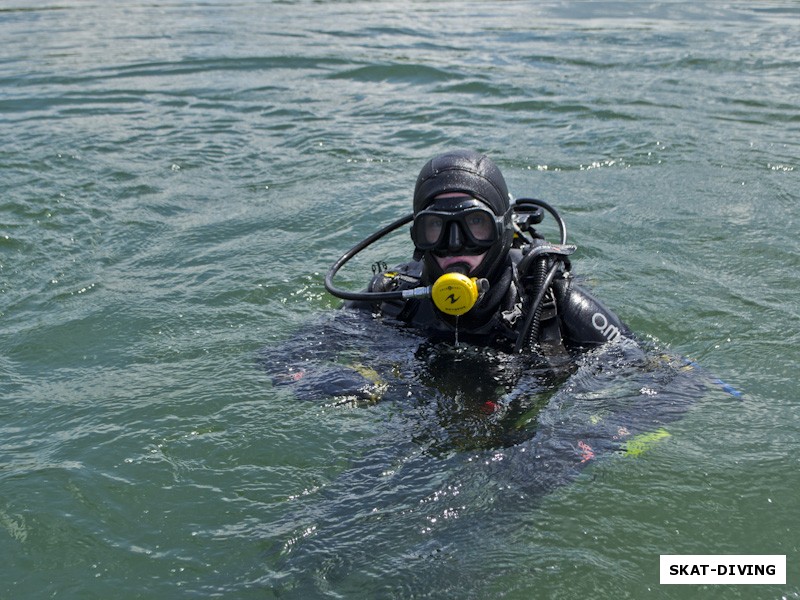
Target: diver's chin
(464, 264)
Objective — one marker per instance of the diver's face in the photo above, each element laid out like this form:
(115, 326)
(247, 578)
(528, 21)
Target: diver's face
(458, 230)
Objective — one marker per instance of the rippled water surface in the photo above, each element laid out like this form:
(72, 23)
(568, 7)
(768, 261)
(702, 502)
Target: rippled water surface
(175, 180)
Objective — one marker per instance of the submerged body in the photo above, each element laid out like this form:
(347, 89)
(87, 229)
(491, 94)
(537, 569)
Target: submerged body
(462, 439)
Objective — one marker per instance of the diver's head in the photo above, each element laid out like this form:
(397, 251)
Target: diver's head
(462, 216)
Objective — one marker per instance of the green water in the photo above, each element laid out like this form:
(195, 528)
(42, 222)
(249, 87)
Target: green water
(176, 178)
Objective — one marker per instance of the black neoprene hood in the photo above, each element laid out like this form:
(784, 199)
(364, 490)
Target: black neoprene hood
(475, 175)
(462, 171)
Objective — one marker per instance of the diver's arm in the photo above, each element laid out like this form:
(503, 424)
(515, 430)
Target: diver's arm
(585, 321)
(319, 363)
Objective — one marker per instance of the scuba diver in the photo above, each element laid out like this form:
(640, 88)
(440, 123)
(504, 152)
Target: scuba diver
(480, 272)
(548, 381)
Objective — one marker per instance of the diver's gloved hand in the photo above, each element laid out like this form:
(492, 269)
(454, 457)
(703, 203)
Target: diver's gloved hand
(333, 383)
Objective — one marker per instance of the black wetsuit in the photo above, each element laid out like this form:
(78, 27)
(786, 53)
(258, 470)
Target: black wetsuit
(571, 319)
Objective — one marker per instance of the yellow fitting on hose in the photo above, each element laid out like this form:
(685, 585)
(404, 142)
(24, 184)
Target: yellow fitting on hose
(454, 293)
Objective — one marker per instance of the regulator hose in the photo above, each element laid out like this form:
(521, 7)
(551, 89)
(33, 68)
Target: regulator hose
(530, 329)
(452, 293)
(367, 296)
(536, 261)
(529, 334)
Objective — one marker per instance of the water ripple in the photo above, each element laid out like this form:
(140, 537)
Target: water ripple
(178, 177)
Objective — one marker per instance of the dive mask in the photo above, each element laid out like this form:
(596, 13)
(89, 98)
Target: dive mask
(469, 224)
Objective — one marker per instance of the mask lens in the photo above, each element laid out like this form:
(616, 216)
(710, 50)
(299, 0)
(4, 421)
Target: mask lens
(429, 228)
(481, 226)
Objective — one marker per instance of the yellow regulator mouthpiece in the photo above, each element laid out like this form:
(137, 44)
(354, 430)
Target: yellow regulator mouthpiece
(455, 293)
